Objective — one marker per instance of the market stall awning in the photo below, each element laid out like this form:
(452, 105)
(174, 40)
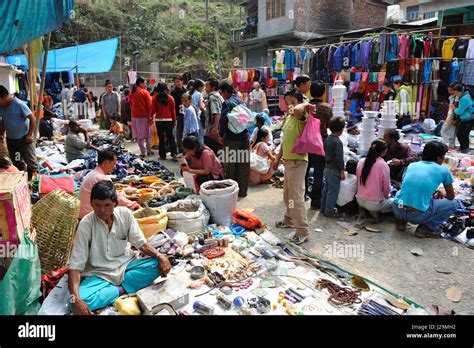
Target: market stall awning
(25, 20)
(92, 58)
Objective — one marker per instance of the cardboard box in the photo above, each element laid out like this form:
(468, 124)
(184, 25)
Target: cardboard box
(170, 291)
(15, 207)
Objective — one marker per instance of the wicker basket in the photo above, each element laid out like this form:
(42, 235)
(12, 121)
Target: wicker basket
(55, 219)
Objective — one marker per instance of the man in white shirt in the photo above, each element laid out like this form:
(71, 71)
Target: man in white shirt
(256, 98)
(102, 265)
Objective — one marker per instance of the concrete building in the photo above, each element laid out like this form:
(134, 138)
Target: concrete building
(455, 16)
(273, 23)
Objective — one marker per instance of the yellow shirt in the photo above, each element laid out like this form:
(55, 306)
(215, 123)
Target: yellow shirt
(292, 129)
(447, 50)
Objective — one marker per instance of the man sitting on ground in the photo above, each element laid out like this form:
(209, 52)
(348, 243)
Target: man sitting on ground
(75, 146)
(102, 265)
(106, 165)
(46, 128)
(414, 202)
(398, 156)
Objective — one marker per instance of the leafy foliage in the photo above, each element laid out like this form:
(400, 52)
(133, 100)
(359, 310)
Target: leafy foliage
(169, 31)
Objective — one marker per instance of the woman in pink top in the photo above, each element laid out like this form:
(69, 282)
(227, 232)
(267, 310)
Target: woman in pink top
(373, 178)
(263, 150)
(201, 161)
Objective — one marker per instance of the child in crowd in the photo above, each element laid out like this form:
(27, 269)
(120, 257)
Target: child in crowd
(116, 128)
(346, 201)
(191, 125)
(352, 134)
(334, 171)
(260, 124)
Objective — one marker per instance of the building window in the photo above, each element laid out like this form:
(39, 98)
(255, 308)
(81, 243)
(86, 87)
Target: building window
(275, 9)
(428, 15)
(412, 12)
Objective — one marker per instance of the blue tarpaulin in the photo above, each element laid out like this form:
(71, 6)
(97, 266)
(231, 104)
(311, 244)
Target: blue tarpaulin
(92, 58)
(22, 21)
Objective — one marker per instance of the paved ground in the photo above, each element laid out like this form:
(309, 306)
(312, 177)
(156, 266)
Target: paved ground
(384, 257)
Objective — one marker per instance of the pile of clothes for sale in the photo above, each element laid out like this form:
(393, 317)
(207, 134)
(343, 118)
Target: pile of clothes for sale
(460, 227)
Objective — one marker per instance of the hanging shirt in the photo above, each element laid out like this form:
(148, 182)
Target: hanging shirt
(428, 48)
(338, 57)
(323, 58)
(403, 46)
(460, 48)
(427, 71)
(290, 59)
(367, 48)
(447, 51)
(382, 47)
(419, 46)
(468, 75)
(392, 48)
(345, 57)
(454, 71)
(355, 54)
(329, 64)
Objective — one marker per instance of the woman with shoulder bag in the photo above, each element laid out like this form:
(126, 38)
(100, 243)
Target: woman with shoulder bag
(262, 149)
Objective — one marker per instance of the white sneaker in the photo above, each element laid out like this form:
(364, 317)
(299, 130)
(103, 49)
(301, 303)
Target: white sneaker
(290, 235)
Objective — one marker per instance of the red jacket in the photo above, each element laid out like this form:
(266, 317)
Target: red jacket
(140, 102)
(163, 112)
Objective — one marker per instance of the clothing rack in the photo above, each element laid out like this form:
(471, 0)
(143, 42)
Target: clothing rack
(369, 38)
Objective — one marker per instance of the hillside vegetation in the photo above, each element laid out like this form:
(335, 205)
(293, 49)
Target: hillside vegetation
(172, 32)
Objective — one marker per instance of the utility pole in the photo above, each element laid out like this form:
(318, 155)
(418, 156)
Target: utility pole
(218, 54)
(120, 56)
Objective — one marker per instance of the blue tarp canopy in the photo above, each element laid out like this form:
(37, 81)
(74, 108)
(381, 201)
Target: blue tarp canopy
(26, 20)
(92, 58)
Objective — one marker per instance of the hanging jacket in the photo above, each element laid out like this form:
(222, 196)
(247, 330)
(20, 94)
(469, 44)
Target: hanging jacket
(392, 48)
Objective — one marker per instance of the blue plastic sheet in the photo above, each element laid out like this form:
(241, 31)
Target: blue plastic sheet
(26, 20)
(92, 58)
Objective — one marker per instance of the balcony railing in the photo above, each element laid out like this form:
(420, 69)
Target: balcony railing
(243, 33)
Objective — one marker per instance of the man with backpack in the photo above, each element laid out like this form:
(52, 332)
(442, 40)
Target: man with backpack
(236, 146)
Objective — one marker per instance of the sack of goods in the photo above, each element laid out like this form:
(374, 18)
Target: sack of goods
(188, 215)
(151, 220)
(220, 197)
(258, 163)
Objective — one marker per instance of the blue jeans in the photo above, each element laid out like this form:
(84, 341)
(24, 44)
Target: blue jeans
(332, 183)
(99, 293)
(438, 212)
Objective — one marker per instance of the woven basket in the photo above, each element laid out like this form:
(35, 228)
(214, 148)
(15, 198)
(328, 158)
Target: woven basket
(55, 220)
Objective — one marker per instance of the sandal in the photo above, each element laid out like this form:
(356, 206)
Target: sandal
(282, 224)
